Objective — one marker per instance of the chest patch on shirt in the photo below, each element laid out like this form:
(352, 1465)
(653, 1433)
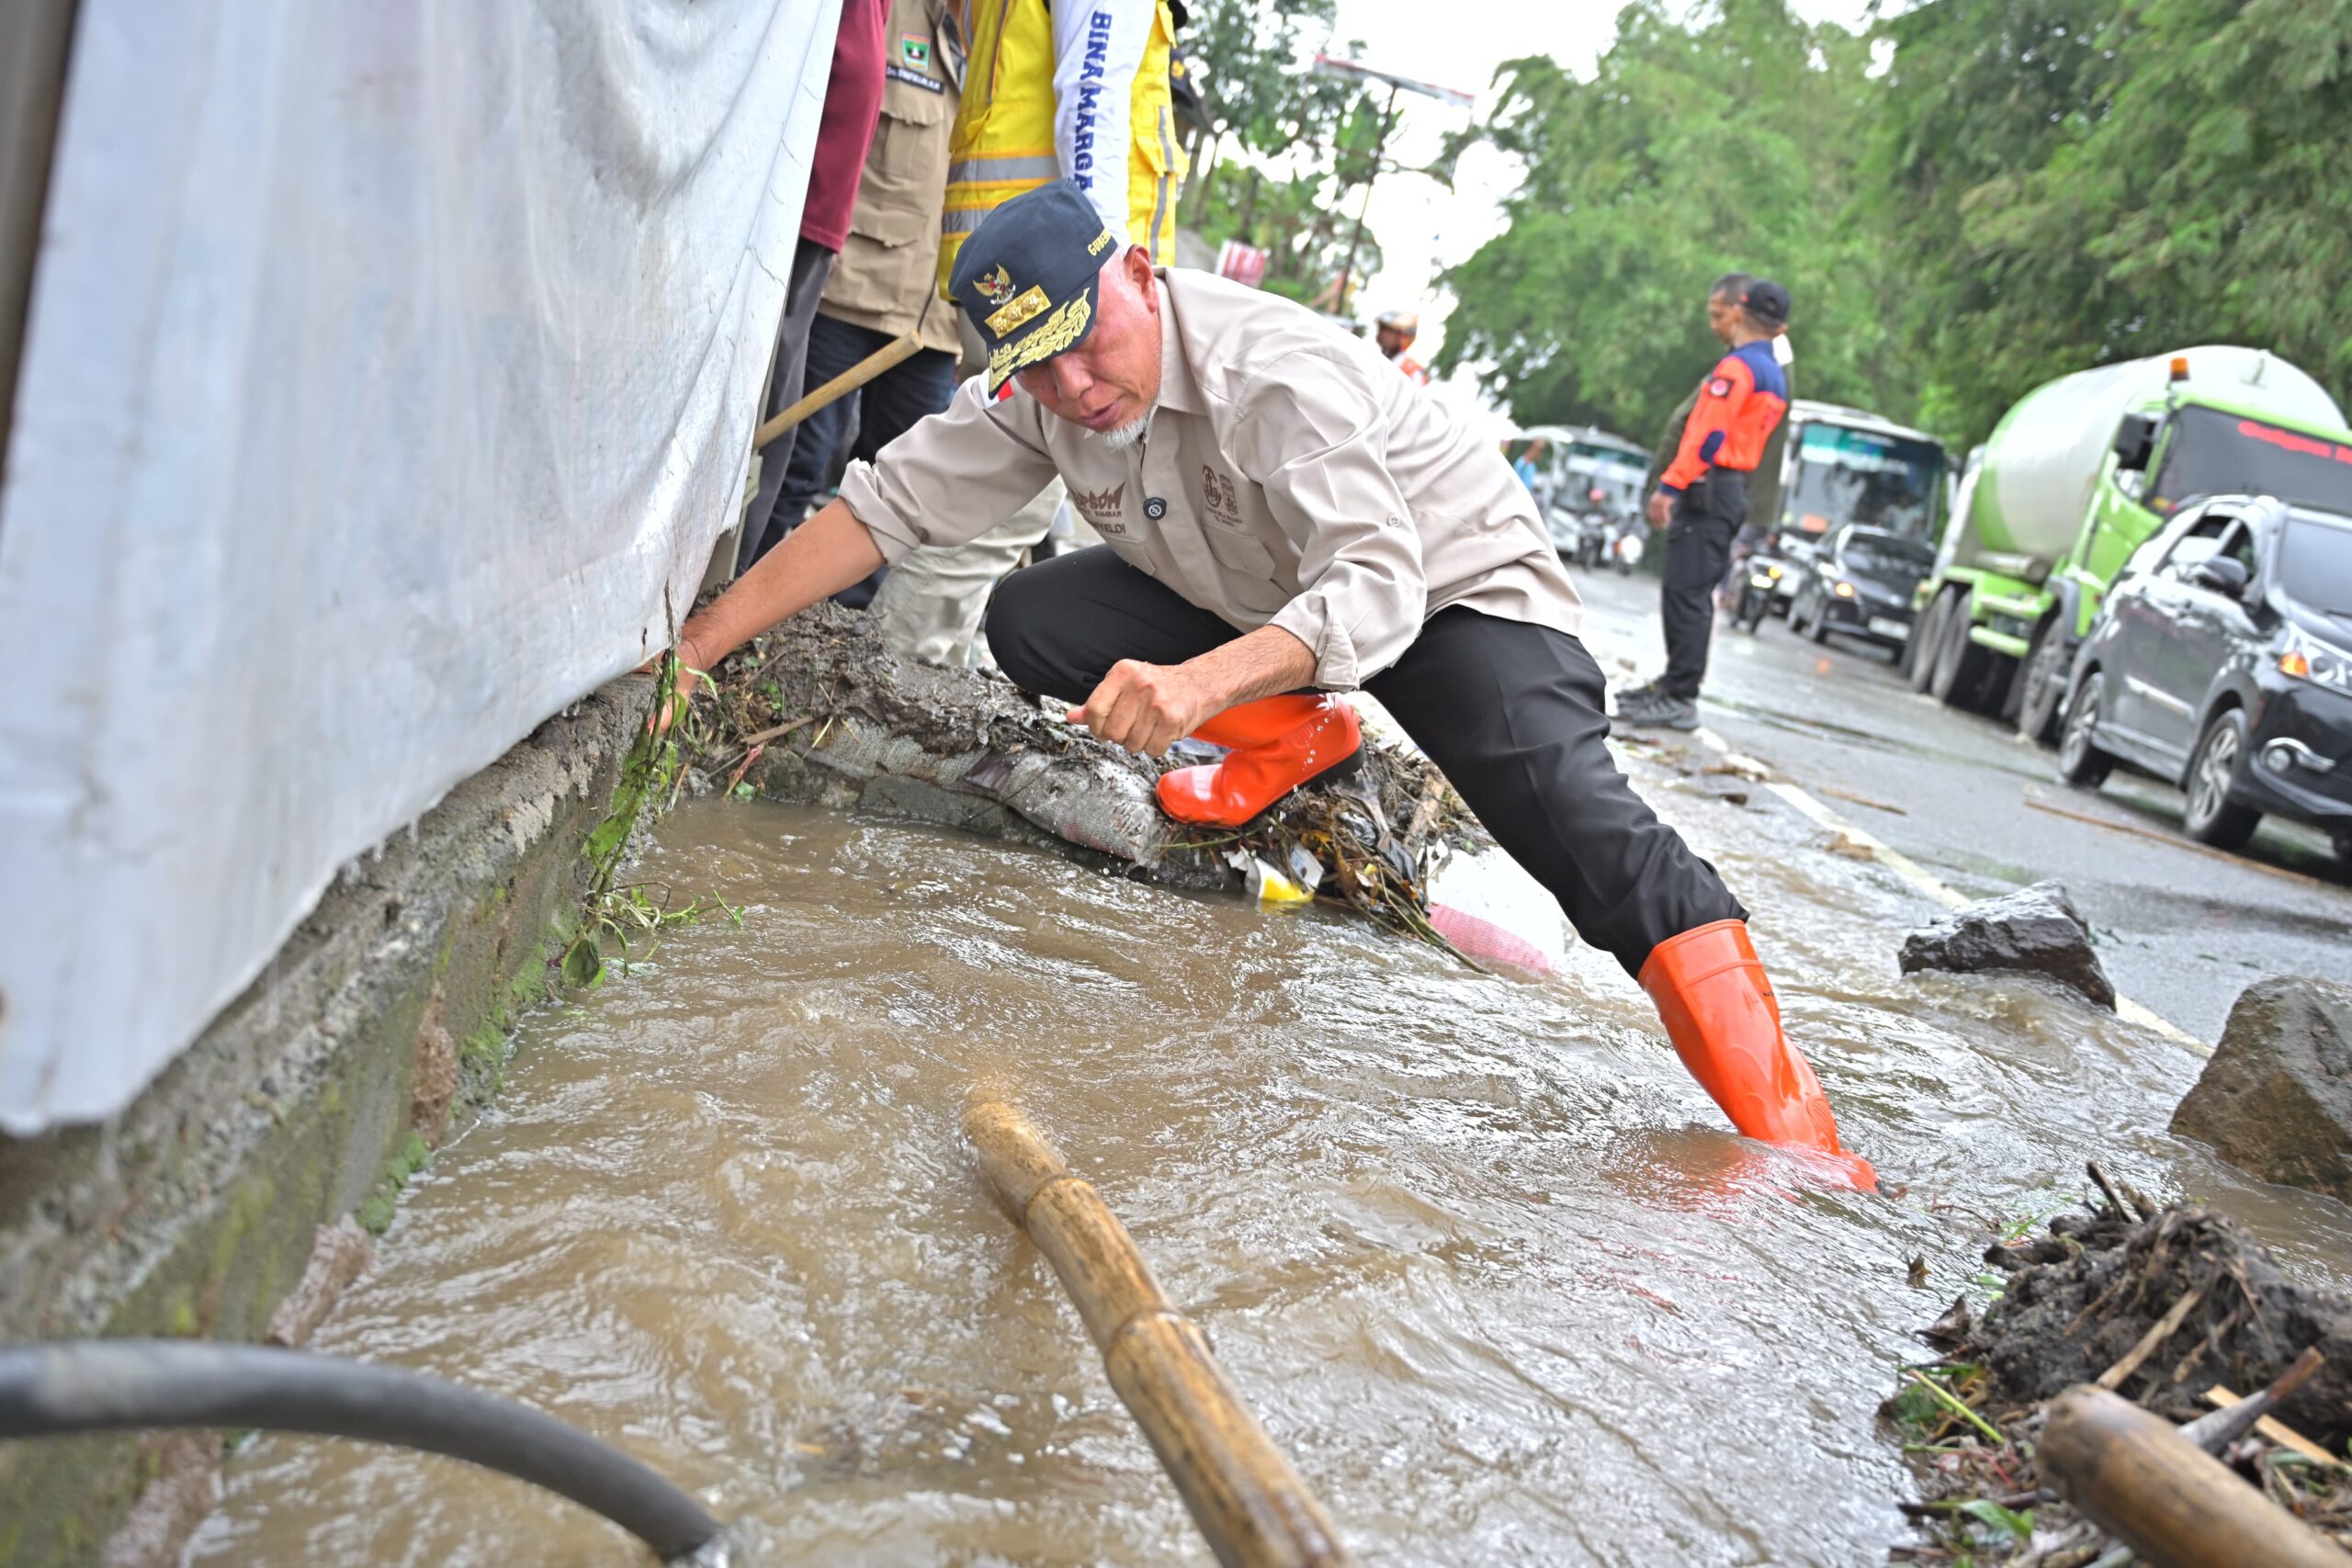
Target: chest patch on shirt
(1217, 495)
(898, 72)
(1101, 507)
(1719, 386)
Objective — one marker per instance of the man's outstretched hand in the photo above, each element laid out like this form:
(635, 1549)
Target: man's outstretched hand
(672, 705)
(1147, 708)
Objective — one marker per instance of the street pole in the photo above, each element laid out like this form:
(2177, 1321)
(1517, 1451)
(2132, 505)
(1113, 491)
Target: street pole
(1355, 239)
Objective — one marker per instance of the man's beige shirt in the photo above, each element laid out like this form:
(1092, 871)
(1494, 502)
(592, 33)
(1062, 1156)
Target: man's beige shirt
(1291, 478)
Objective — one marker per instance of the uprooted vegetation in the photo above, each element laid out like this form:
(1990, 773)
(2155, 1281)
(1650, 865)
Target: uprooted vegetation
(2160, 1305)
(818, 711)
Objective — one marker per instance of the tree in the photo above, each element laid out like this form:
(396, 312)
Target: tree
(2092, 180)
(1300, 140)
(1729, 142)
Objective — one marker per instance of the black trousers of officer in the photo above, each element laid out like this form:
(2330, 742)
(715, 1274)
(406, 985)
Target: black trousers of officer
(1707, 518)
(1511, 711)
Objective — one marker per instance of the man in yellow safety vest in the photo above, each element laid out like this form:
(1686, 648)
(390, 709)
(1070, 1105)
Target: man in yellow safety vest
(1078, 90)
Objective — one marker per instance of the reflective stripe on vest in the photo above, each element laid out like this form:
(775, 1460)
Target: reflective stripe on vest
(1003, 141)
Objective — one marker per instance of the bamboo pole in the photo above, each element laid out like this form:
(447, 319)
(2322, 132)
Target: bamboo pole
(1243, 1493)
(840, 386)
(2159, 1493)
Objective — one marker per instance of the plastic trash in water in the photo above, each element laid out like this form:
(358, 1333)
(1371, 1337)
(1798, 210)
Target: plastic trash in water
(1489, 907)
(1277, 887)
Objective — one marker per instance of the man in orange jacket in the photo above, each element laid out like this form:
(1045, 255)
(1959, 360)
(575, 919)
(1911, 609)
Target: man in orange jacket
(1702, 500)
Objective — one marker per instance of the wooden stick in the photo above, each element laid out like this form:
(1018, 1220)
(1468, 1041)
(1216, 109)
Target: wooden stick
(1243, 1493)
(2277, 1431)
(2164, 1497)
(840, 386)
(2158, 1332)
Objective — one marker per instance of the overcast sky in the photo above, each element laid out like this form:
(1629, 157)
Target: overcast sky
(1422, 227)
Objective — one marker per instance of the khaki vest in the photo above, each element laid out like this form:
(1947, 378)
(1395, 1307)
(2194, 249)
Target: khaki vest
(883, 280)
(1004, 130)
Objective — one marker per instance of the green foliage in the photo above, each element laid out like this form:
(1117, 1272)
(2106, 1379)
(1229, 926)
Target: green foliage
(1976, 197)
(2107, 178)
(1292, 149)
(1732, 142)
(2017, 1526)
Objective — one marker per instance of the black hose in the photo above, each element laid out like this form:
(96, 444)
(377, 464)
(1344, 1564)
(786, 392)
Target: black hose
(95, 1385)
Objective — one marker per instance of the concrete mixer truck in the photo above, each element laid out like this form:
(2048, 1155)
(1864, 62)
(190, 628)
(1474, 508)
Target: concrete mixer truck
(2074, 479)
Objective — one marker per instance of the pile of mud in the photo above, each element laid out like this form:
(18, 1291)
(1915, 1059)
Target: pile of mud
(2160, 1306)
(818, 711)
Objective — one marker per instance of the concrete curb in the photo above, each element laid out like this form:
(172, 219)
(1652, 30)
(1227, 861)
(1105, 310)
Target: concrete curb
(310, 1098)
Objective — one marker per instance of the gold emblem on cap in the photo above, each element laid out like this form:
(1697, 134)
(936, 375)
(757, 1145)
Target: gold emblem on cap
(1032, 304)
(1100, 241)
(995, 285)
(1061, 329)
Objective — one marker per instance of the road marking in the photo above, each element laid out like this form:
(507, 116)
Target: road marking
(2156, 836)
(1926, 882)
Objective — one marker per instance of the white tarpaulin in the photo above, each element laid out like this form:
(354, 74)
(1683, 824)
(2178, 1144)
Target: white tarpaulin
(392, 365)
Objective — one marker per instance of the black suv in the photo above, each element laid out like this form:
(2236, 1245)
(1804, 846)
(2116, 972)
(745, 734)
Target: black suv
(1861, 586)
(2221, 659)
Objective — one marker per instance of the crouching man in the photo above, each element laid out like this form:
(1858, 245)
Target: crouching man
(1287, 517)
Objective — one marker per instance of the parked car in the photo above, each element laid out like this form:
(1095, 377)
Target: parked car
(1860, 585)
(2222, 660)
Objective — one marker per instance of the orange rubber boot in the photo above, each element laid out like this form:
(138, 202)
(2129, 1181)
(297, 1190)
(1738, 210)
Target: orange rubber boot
(1278, 744)
(1718, 1009)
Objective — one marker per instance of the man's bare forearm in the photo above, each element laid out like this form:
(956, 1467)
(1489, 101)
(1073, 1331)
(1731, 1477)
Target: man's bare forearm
(1260, 664)
(821, 557)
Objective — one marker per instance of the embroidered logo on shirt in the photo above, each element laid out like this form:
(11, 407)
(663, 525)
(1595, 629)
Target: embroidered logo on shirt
(1719, 386)
(1099, 505)
(1217, 494)
(915, 50)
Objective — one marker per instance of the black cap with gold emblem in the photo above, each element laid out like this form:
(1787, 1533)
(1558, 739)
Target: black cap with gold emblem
(1026, 277)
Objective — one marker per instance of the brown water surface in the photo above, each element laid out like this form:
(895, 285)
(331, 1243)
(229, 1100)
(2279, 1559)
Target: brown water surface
(1478, 1252)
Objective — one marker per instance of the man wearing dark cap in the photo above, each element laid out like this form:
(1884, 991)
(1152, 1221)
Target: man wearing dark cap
(1702, 500)
(1286, 517)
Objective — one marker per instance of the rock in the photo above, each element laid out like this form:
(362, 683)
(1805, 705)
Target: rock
(2276, 1100)
(2035, 929)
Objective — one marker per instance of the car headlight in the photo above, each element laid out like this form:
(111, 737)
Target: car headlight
(2306, 657)
(1844, 590)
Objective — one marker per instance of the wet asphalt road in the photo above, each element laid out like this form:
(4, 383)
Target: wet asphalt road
(2181, 929)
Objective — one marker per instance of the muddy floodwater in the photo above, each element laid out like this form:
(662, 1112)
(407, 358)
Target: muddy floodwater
(1484, 1260)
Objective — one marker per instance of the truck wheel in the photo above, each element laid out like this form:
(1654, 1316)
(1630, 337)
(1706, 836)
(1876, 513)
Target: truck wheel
(2043, 683)
(2212, 818)
(1959, 678)
(1923, 638)
(2080, 762)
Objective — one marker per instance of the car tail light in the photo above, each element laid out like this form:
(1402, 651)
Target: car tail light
(2295, 662)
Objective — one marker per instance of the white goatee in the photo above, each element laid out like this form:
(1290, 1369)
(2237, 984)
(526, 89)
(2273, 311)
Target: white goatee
(1131, 435)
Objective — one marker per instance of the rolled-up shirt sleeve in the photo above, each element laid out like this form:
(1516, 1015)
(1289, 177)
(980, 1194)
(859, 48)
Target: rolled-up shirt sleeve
(953, 476)
(1315, 433)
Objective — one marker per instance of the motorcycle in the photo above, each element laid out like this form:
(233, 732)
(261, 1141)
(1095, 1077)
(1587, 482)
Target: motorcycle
(1626, 539)
(1760, 576)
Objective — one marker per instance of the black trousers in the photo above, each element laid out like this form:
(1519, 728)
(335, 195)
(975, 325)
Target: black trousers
(1707, 518)
(766, 522)
(1511, 711)
(856, 426)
